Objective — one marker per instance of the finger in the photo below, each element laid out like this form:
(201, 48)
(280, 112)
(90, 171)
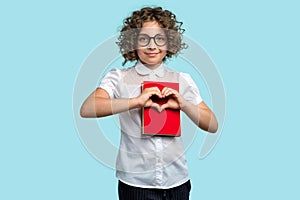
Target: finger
(168, 92)
(157, 93)
(151, 89)
(165, 91)
(148, 103)
(151, 104)
(163, 107)
(154, 91)
(156, 106)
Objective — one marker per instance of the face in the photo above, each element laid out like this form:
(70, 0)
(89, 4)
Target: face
(153, 53)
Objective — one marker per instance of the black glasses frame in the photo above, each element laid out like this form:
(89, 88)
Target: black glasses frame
(154, 39)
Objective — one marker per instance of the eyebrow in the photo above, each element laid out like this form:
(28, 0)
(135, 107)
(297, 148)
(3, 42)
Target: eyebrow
(162, 34)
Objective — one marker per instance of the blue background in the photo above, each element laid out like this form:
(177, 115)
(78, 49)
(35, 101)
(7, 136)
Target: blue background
(254, 44)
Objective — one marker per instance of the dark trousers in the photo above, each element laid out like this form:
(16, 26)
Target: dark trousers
(127, 192)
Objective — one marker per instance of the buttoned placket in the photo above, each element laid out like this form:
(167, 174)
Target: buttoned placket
(158, 147)
(159, 161)
(155, 75)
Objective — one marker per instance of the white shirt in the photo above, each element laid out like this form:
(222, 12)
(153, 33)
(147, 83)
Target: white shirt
(148, 161)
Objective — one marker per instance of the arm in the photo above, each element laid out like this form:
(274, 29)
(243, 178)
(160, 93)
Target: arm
(200, 114)
(99, 104)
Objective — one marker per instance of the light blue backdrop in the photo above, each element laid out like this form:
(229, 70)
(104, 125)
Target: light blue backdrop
(254, 44)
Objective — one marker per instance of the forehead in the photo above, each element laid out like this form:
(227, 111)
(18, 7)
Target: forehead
(151, 28)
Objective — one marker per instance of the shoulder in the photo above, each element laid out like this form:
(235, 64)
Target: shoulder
(112, 81)
(187, 82)
(185, 76)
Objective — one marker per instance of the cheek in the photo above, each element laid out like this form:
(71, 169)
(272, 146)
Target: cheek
(164, 48)
(164, 52)
(139, 52)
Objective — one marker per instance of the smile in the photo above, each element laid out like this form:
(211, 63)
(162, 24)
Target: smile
(151, 54)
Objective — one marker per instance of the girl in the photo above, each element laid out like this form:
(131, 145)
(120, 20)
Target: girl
(149, 167)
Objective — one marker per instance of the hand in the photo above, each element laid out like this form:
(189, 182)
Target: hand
(174, 99)
(144, 100)
(173, 102)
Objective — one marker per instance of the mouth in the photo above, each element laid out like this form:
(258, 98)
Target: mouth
(151, 54)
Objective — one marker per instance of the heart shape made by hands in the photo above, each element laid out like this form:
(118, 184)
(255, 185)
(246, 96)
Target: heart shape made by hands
(160, 104)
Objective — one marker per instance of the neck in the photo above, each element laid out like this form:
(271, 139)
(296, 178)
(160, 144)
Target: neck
(151, 66)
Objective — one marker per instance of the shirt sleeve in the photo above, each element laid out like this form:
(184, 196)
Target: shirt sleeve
(110, 82)
(188, 89)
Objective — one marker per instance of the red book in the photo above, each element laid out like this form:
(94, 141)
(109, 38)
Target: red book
(165, 123)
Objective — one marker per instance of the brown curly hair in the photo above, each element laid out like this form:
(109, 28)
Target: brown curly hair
(132, 25)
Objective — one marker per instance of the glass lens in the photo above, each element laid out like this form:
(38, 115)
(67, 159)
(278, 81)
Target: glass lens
(143, 40)
(160, 40)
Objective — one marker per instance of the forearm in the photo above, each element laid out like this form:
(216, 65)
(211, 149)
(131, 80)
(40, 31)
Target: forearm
(100, 107)
(201, 115)
(99, 103)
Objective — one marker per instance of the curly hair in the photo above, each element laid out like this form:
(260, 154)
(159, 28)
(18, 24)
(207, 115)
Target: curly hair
(132, 25)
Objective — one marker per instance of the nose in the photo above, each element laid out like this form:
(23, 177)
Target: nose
(152, 44)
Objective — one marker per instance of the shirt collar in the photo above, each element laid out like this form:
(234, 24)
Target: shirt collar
(143, 70)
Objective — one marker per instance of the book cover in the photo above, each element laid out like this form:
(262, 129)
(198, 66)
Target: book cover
(165, 123)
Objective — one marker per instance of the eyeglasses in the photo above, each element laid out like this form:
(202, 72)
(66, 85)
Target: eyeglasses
(144, 39)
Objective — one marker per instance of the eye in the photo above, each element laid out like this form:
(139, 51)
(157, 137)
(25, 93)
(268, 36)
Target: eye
(161, 38)
(142, 38)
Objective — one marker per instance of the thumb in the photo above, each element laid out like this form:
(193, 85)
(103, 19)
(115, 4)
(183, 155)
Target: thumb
(156, 106)
(164, 106)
